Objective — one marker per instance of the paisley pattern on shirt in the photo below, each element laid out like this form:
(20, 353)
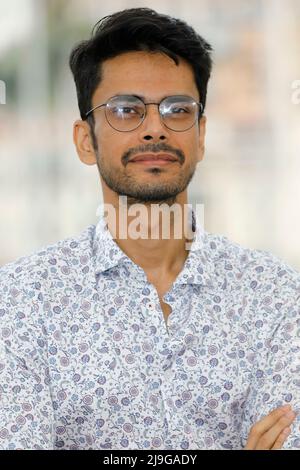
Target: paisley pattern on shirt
(87, 360)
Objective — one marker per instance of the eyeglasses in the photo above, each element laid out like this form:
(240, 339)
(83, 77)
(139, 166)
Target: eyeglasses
(125, 113)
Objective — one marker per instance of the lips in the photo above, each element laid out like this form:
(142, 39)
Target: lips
(154, 157)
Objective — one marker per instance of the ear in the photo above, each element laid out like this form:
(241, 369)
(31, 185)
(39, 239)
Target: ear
(83, 141)
(202, 129)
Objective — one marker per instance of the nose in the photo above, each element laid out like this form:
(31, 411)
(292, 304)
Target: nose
(152, 128)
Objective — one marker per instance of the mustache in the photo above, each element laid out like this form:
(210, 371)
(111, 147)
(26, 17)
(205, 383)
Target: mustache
(152, 148)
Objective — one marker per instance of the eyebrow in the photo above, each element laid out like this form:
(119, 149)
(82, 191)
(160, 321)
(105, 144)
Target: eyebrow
(142, 97)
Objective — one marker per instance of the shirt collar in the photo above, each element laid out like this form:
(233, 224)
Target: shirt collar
(198, 267)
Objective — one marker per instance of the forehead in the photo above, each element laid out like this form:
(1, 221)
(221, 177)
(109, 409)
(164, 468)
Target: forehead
(147, 74)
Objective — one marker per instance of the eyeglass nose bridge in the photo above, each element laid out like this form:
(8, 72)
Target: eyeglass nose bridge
(146, 113)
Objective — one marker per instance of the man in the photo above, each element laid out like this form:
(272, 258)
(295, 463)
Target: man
(143, 342)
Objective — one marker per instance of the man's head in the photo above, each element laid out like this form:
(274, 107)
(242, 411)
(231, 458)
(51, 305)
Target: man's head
(142, 53)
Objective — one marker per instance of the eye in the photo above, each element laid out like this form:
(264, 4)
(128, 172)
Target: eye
(180, 110)
(123, 110)
(177, 108)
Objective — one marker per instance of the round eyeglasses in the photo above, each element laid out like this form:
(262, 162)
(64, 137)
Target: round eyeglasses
(125, 113)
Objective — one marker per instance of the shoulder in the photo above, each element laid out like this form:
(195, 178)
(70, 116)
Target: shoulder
(28, 275)
(252, 270)
(234, 256)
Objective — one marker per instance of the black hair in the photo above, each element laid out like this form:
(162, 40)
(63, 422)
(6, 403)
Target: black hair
(137, 29)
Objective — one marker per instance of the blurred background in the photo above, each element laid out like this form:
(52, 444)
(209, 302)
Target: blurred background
(249, 181)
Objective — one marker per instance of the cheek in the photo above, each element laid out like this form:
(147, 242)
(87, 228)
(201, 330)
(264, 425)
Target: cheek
(192, 147)
(113, 145)
(107, 142)
(197, 145)
(111, 152)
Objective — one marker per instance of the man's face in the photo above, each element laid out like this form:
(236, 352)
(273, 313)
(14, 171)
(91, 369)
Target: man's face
(152, 76)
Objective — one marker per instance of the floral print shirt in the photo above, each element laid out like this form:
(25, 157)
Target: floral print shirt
(87, 360)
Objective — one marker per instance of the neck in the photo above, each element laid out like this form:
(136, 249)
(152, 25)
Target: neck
(154, 236)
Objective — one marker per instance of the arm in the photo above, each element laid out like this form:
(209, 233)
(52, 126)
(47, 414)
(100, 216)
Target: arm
(275, 375)
(26, 411)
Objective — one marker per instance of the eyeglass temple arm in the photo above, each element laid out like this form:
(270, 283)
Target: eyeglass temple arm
(93, 109)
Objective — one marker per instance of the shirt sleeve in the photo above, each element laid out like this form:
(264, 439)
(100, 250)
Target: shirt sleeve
(26, 410)
(276, 372)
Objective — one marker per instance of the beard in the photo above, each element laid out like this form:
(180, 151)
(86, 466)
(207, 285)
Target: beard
(154, 192)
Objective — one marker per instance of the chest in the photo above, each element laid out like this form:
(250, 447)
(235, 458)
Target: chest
(166, 308)
(162, 288)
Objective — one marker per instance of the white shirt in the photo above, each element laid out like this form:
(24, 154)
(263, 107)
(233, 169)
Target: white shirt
(88, 361)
